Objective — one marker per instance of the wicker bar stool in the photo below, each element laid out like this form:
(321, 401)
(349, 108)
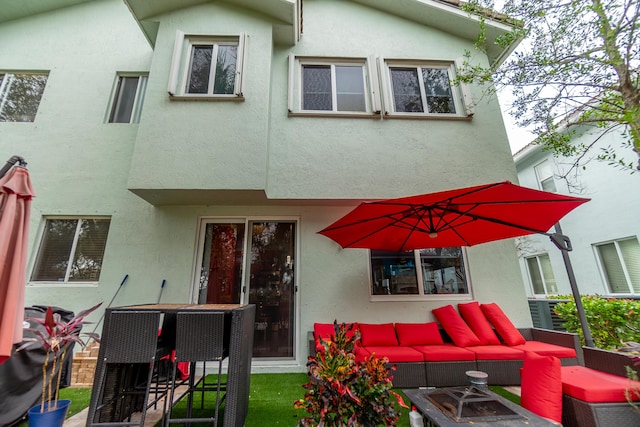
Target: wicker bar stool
(130, 351)
(200, 337)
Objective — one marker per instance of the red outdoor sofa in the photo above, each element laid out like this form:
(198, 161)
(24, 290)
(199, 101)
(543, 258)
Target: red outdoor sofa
(437, 354)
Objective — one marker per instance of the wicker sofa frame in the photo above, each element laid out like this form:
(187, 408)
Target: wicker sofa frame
(578, 413)
(452, 373)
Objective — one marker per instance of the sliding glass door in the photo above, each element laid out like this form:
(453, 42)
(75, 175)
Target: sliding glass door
(252, 261)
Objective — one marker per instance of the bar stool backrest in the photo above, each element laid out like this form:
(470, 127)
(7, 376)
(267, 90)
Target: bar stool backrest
(200, 336)
(131, 336)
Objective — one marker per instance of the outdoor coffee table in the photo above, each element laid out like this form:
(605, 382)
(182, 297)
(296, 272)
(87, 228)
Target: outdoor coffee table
(491, 410)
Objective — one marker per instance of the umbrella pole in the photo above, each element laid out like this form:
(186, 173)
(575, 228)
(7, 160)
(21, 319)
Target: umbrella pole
(563, 243)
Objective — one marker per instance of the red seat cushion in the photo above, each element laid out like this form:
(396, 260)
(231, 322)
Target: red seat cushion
(595, 386)
(546, 349)
(361, 354)
(377, 334)
(326, 331)
(410, 334)
(396, 354)
(455, 326)
(496, 352)
(541, 386)
(444, 353)
(477, 321)
(503, 325)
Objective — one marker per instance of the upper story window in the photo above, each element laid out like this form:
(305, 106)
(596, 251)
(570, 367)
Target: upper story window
(332, 86)
(128, 96)
(544, 174)
(71, 250)
(424, 89)
(20, 95)
(620, 265)
(541, 275)
(420, 274)
(207, 67)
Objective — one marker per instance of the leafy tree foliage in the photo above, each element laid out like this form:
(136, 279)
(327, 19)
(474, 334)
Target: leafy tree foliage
(576, 71)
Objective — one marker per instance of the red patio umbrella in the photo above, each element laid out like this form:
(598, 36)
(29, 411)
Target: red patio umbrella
(461, 217)
(15, 206)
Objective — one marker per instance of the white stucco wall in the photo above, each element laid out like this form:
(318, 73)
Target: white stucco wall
(611, 214)
(82, 166)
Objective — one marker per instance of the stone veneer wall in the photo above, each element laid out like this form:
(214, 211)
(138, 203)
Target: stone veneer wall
(84, 366)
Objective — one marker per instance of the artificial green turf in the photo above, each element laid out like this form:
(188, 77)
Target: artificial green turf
(271, 400)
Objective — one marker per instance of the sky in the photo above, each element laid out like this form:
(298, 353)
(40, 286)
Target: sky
(518, 137)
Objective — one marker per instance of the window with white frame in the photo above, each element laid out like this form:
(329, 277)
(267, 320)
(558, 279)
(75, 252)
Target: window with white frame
(333, 86)
(420, 273)
(71, 250)
(207, 67)
(544, 174)
(20, 95)
(425, 89)
(541, 275)
(127, 99)
(620, 265)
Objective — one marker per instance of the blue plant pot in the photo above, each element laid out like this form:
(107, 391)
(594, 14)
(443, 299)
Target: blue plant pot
(50, 417)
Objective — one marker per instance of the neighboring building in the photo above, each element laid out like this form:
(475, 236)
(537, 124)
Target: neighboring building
(603, 232)
(202, 144)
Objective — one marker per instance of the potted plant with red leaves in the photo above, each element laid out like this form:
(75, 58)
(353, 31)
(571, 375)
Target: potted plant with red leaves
(344, 392)
(55, 337)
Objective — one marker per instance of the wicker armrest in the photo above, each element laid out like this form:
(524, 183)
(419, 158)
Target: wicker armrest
(612, 362)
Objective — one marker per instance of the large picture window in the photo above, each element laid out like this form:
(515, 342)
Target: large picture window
(424, 272)
(620, 265)
(207, 67)
(20, 96)
(71, 250)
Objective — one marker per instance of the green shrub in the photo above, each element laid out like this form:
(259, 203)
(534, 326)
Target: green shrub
(613, 322)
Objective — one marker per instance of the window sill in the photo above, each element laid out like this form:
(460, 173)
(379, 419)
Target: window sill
(63, 284)
(207, 98)
(420, 298)
(396, 116)
(375, 116)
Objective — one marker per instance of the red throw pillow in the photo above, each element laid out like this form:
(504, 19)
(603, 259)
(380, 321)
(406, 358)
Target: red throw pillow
(541, 387)
(503, 325)
(377, 334)
(478, 323)
(418, 334)
(459, 331)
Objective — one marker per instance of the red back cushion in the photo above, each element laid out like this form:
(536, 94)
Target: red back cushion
(541, 387)
(478, 323)
(459, 331)
(418, 333)
(503, 325)
(377, 334)
(326, 331)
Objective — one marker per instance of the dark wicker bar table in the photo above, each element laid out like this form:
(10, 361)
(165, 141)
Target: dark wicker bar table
(434, 416)
(239, 320)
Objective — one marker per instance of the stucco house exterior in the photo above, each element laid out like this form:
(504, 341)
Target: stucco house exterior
(603, 232)
(194, 148)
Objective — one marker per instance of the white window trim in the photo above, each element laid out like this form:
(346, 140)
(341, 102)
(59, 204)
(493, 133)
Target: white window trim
(601, 269)
(371, 89)
(138, 100)
(180, 65)
(422, 296)
(461, 92)
(66, 282)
